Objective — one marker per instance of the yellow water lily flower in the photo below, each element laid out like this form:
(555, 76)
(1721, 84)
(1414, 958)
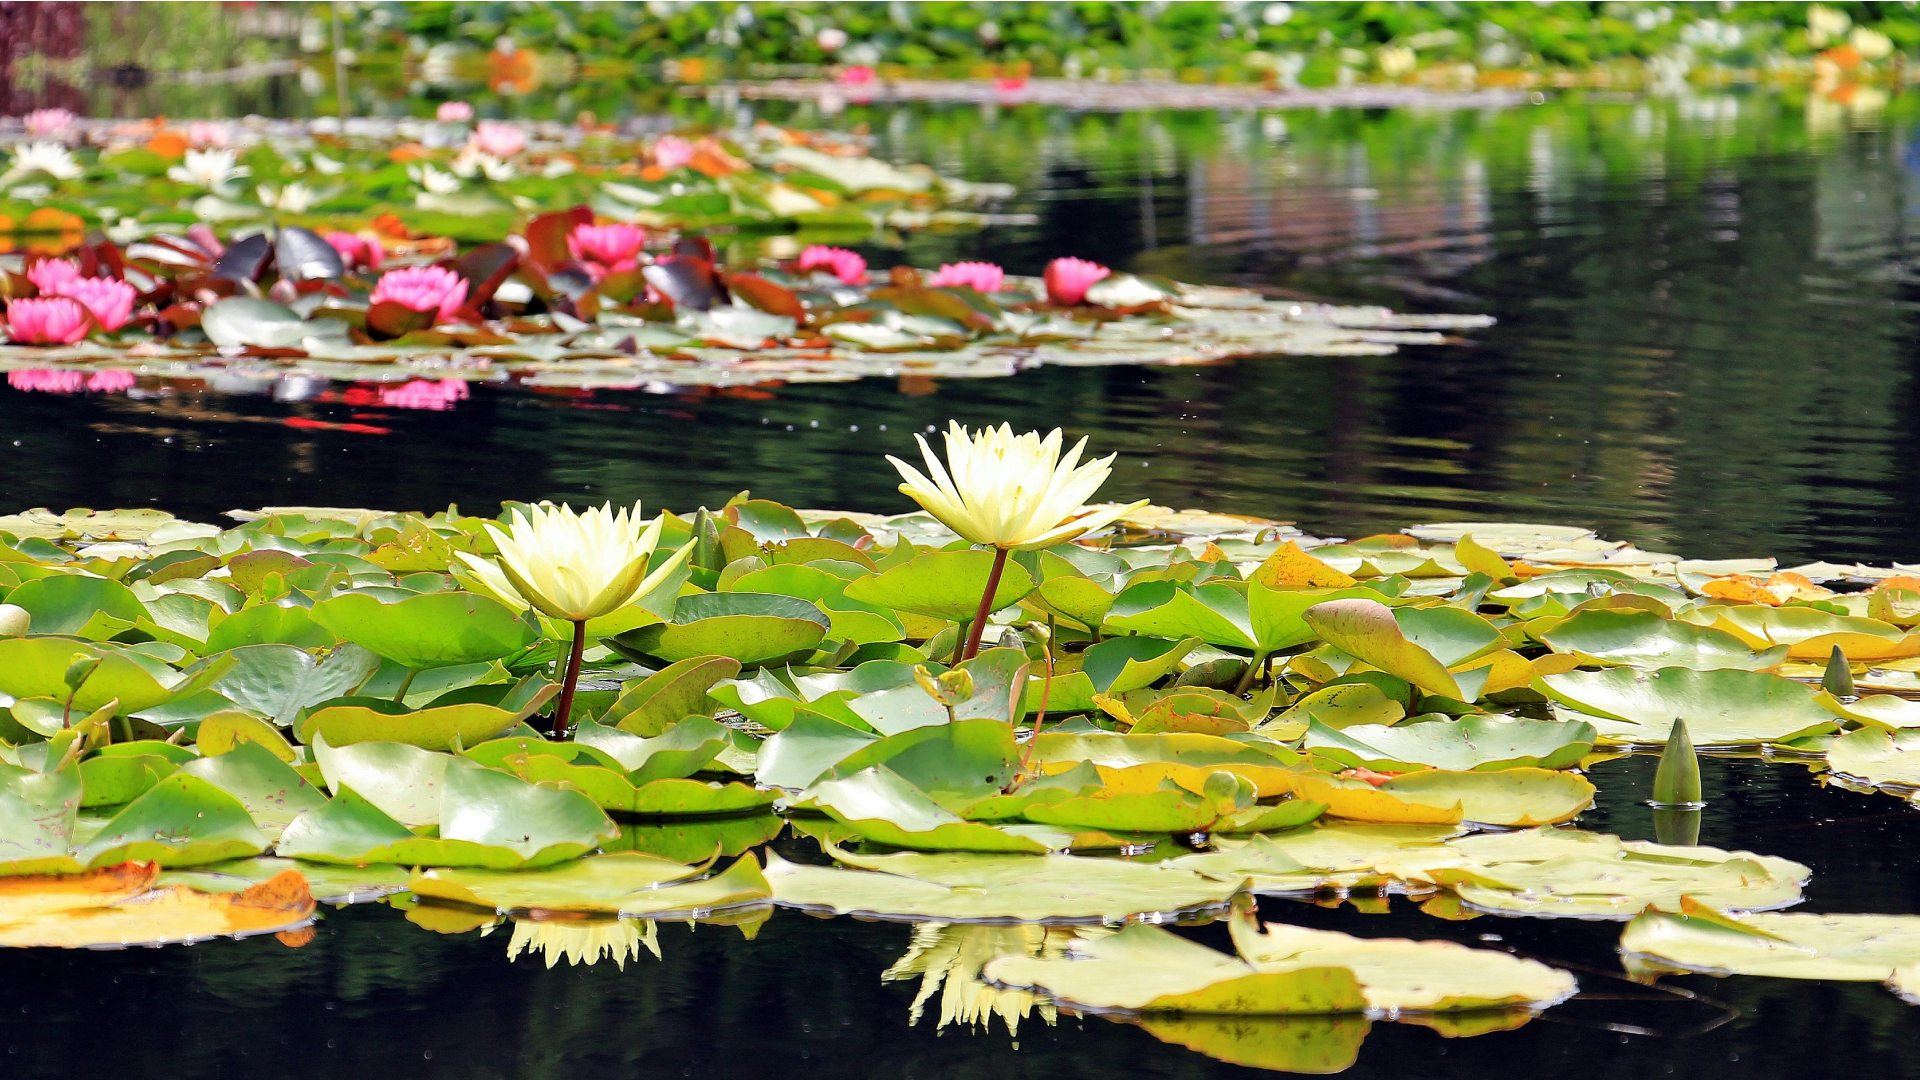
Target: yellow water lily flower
(574, 566)
(1013, 492)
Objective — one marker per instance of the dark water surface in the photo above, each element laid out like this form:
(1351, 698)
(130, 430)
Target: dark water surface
(1705, 345)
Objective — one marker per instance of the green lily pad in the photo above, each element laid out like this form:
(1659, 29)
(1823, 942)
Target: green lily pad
(1644, 639)
(648, 706)
(1510, 797)
(803, 752)
(597, 884)
(228, 729)
(429, 630)
(751, 628)
(999, 682)
(277, 681)
(1878, 757)
(264, 623)
(682, 750)
(1338, 707)
(1722, 708)
(1849, 948)
(1215, 613)
(37, 666)
(403, 782)
(273, 793)
(78, 605)
(37, 815)
(181, 821)
(884, 807)
(944, 585)
(1474, 743)
(969, 887)
(471, 715)
(851, 619)
(111, 781)
(954, 764)
(1415, 644)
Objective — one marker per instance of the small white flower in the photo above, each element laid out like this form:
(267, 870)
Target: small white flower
(50, 158)
(433, 180)
(214, 170)
(326, 166)
(293, 199)
(471, 162)
(557, 168)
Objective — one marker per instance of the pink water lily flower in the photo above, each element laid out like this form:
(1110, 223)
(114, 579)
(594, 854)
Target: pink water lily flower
(47, 381)
(48, 121)
(982, 276)
(453, 112)
(606, 249)
(109, 301)
(671, 151)
(53, 320)
(111, 382)
(857, 75)
(203, 134)
(423, 288)
(846, 265)
(496, 138)
(1068, 280)
(48, 275)
(358, 252)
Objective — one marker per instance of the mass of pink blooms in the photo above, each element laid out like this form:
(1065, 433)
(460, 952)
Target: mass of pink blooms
(857, 75)
(496, 138)
(1068, 279)
(981, 276)
(606, 249)
(671, 151)
(109, 300)
(48, 121)
(356, 251)
(453, 112)
(423, 288)
(846, 265)
(52, 320)
(48, 381)
(437, 395)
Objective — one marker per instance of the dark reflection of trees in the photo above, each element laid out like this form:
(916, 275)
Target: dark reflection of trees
(52, 31)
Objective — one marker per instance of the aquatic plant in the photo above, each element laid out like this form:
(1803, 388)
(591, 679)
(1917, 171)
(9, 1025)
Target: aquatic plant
(50, 321)
(1068, 279)
(849, 266)
(424, 289)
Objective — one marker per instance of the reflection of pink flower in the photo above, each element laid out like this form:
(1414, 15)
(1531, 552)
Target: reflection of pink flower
(48, 275)
(48, 121)
(110, 301)
(983, 276)
(46, 381)
(671, 151)
(110, 382)
(53, 320)
(453, 112)
(1068, 279)
(857, 75)
(501, 140)
(846, 265)
(358, 252)
(606, 249)
(1009, 84)
(202, 134)
(425, 394)
(423, 288)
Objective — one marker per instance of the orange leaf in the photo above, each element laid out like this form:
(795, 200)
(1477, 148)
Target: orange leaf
(1290, 567)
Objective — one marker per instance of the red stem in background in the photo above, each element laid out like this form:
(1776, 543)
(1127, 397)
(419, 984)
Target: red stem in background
(986, 605)
(573, 678)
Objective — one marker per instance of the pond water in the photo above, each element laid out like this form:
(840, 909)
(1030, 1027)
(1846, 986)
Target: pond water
(1705, 346)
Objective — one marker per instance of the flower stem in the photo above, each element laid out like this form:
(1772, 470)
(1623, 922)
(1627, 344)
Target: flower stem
(1246, 677)
(406, 684)
(572, 679)
(1046, 689)
(986, 604)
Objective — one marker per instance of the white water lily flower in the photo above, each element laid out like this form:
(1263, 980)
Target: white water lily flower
(575, 566)
(433, 180)
(51, 158)
(471, 162)
(210, 169)
(326, 166)
(293, 199)
(1014, 492)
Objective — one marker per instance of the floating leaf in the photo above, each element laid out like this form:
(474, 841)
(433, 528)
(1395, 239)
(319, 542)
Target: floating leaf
(1879, 757)
(471, 715)
(649, 706)
(1722, 708)
(1851, 948)
(271, 791)
(1514, 797)
(1646, 640)
(943, 585)
(278, 681)
(750, 628)
(1477, 742)
(181, 821)
(37, 814)
(169, 915)
(430, 630)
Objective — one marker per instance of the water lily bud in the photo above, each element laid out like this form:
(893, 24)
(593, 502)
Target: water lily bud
(14, 620)
(1676, 783)
(80, 669)
(956, 685)
(1838, 680)
(707, 554)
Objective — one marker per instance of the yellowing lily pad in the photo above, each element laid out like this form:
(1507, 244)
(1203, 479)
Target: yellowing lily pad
(1514, 797)
(1851, 948)
(1721, 708)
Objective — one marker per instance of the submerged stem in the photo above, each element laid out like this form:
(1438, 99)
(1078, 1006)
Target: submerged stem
(572, 679)
(406, 684)
(986, 604)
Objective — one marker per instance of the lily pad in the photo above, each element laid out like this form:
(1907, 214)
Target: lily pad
(649, 706)
(168, 916)
(1644, 639)
(628, 884)
(428, 630)
(471, 715)
(944, 585)
(277, 681)
(271, 791)
(1512, 797)
(1722, 708)
(750, 628)
(1474, 743)
(37, 814)
(1849, 948)
(182, 820)
(1878, 757)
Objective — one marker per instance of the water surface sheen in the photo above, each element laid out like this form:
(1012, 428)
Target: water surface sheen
(1705, 345)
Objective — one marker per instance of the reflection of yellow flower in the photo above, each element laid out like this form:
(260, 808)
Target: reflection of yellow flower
(574, 566)
(948, 959)
(1011, 491)
(585, 942)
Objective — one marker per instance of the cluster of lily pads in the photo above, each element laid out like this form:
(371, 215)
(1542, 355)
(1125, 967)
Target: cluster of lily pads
(209, 729)
(115, 267)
